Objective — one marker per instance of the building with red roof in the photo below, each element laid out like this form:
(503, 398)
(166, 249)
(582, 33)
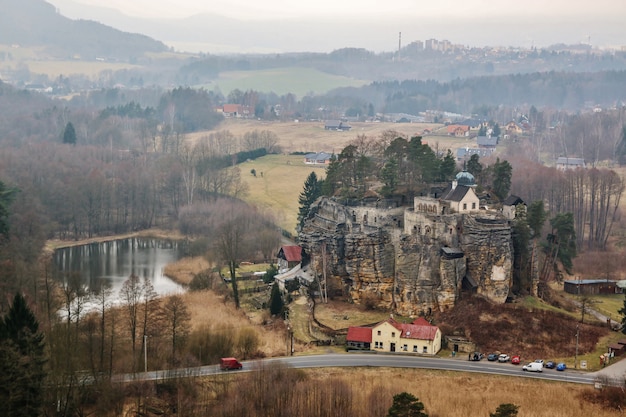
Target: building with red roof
(392, 336)
(289, 257)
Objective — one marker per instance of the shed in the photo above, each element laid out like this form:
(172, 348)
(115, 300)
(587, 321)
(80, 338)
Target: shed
(617, 348)
(591, 286)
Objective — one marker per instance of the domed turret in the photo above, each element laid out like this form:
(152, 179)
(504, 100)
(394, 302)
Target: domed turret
(465, 178)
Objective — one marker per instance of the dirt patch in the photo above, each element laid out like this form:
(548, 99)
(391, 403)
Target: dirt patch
(341, 315)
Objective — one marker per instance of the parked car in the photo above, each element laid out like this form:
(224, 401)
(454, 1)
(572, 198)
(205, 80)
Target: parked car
(492, 357)
(504, 357)
(475, 356)
(515, 360)
(533, 367)
(561, 366)
(549, 365)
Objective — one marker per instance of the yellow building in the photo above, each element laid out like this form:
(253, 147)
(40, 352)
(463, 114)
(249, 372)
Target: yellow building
(417, 337)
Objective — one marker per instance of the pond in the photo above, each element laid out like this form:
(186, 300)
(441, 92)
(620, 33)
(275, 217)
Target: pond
(113, 262)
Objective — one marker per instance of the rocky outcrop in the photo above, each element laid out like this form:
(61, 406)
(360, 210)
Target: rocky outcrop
(404, 261)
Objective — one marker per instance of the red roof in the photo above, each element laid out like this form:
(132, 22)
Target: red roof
(359, 334)
(419, 329)
(292, 253)
(231, 108)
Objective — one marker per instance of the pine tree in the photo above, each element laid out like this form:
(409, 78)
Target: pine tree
(69, 135)
(312, 190)
(276, 300)
(406, 405)
(22, 360)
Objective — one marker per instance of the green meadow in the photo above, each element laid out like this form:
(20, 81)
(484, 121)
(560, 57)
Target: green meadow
(295, 80)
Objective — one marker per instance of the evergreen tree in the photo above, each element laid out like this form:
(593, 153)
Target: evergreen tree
(520, 233)
(474, 166)
(333, 177)
(536, 217)
(505, 410)
(276, 300)
(562, 239)
(622, 312)
(22, 360)
(312, 190)
(389, 176)
(69, 135)
(502, 172)
(406, 405)
(495, 130)
(447, 167)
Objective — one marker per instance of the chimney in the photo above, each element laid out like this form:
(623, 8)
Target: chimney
(454, 184)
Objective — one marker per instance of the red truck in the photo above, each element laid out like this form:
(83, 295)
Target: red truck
(226, 364)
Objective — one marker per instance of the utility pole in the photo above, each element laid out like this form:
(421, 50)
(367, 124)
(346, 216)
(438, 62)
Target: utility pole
(576, 354)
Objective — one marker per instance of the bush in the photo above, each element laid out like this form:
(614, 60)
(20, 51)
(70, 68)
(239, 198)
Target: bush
(202, 281)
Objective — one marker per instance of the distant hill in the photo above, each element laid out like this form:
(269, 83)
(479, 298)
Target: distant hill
(37, 23)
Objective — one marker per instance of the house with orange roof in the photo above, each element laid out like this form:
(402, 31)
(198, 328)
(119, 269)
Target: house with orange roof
(458, 131)
(392, 336)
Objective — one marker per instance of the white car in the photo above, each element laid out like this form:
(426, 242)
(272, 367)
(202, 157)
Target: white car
(533, 367)
(503, 357)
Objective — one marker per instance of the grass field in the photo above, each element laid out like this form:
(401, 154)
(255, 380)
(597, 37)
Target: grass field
(280, 178)
(298, 81)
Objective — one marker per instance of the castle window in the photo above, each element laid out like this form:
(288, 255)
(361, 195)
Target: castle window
(450, 230)
(404, 348)
(393, 334)
(473, 206)
(378, 333)
(414, 348)
(464, 206)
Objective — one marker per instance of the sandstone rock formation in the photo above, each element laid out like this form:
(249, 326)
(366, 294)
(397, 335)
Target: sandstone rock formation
(409, 260)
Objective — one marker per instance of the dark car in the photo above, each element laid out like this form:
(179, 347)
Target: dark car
(561, 367)
(475, 356)
(492, 357)
(550, 365)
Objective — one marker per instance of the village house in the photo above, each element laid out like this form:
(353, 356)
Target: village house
(461, 198)
(337, 125)
(564, 163)
(392, 336)
(320, 158)
(458, 131)
(464, 154)
(288, 257)
(235, 110)
(488, 142)
(513, 128)
(510, 206)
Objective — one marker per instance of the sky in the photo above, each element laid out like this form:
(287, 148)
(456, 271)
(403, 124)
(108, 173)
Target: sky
(274, 26)
(285, 9)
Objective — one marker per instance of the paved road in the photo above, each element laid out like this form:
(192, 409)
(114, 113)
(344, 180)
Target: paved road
(381, 360)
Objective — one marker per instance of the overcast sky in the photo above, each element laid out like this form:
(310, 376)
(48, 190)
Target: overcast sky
(257, 9)
(268, 26)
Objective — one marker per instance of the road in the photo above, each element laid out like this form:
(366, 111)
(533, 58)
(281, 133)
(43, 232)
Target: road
(376, 360)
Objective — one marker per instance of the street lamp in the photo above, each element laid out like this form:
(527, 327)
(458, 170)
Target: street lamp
(576, 354)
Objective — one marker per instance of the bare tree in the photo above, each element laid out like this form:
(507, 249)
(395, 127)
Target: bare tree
(131, 293)
(177, 319)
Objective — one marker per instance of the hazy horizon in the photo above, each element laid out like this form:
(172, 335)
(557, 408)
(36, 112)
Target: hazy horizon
(278, 26)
